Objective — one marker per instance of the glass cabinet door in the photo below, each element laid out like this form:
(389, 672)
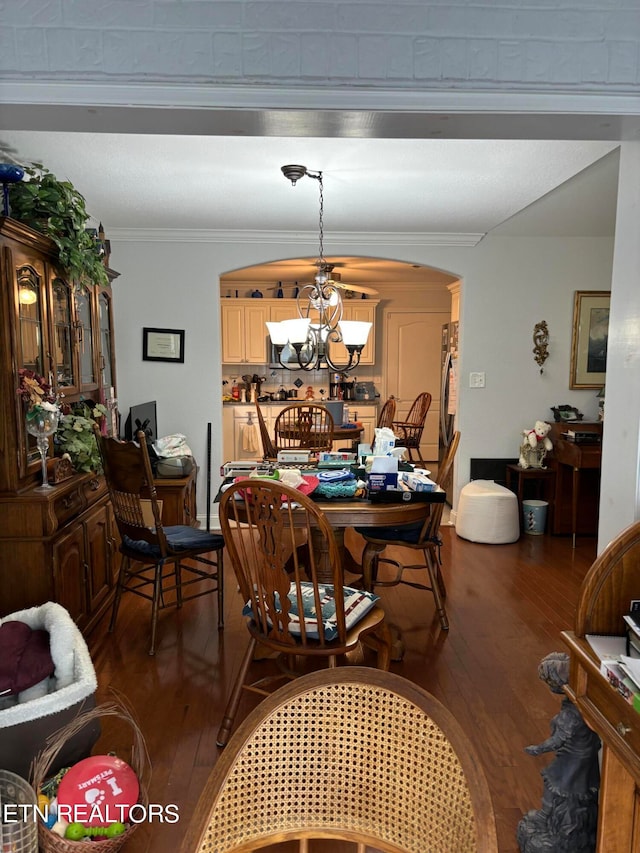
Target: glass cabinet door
(62, 319)
(30, 315)
(106, 341)
(32, 345)
(84, 337)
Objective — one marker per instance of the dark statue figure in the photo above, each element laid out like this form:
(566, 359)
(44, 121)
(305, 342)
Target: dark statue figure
(567, 820)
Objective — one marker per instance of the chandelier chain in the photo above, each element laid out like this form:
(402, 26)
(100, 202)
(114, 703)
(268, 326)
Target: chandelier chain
(321, 222)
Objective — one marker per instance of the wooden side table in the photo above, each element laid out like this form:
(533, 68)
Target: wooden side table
(544, 479)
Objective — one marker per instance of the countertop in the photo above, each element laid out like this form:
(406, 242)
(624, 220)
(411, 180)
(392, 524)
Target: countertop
(293, 400)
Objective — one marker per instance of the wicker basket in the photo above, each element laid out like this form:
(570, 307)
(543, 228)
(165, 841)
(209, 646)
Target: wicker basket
(139, 761)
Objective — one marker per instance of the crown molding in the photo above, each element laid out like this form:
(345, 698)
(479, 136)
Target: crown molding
(233, 96)
(344, 238)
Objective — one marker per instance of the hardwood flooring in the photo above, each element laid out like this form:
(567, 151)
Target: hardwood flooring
(507, 605)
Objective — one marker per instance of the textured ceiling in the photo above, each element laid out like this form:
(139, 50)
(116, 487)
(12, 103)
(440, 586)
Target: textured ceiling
(395, 186)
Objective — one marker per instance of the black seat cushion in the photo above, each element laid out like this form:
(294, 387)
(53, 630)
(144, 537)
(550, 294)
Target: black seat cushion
(180, 537)
(409, 533)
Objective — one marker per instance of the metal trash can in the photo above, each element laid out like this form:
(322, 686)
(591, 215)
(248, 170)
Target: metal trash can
(534, 516)
(19, 829)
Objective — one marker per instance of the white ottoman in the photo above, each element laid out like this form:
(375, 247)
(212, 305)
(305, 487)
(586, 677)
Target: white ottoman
(488, 512)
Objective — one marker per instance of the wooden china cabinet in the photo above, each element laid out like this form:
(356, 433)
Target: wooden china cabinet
(58, 545)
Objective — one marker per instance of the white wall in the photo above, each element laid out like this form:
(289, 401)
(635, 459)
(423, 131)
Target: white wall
(620, 487)
(508, 285)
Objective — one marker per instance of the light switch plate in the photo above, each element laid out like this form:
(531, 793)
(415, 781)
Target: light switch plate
(476, 380)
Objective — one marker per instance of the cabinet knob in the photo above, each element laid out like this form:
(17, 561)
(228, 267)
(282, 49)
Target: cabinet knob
(623, 730)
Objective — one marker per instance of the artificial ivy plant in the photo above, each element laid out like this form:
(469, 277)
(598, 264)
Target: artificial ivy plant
(57, 209)
(75, 435)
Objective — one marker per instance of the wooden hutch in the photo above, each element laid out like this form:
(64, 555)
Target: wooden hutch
(58, 545)
(612, 582)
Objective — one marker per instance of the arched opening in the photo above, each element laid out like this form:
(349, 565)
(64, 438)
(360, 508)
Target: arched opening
(410, 304)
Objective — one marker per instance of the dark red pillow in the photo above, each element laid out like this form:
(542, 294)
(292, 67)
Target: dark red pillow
(25, 657)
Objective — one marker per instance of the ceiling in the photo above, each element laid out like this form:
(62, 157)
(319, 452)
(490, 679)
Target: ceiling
(438, 191)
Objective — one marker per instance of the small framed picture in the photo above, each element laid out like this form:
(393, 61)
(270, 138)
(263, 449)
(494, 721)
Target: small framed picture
(589, 340)
(163, 345)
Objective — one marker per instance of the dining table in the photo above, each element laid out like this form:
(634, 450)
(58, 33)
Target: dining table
(365, 512)
(377, 511)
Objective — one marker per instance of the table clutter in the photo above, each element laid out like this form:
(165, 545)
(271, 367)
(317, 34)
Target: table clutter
(380, 473)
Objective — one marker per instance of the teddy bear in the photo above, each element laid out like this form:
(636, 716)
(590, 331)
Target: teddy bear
(535, 445)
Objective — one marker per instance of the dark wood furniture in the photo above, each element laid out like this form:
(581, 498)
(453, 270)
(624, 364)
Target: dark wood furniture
(269, 545)
(160, 562)
(612, 582)
(577, 487)
(178, 496)
(544, 481)
(59, 545)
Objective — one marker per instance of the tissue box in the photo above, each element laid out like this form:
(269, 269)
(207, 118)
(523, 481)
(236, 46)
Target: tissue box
(418, 482)
(328, 459)
(382, 482)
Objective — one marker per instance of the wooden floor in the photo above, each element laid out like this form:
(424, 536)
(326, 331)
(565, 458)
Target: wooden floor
(507, 605)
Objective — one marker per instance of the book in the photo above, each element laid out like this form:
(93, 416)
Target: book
(607, 647)
(620, 680)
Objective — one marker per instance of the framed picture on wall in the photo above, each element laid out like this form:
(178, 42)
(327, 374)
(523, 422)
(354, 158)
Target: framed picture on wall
(589, 339)
(163, 345)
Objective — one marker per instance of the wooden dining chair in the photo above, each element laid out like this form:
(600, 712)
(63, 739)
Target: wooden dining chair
(365, 759)
(387, 414)
(269, 451)
(304, 425)
(409, 432)
(263, 523)
(420, 536)
(158, 562)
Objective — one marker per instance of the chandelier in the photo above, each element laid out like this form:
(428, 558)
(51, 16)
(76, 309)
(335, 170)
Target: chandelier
(303, 343)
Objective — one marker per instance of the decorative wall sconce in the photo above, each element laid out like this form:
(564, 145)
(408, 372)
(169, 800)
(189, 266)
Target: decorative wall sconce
(541, 343)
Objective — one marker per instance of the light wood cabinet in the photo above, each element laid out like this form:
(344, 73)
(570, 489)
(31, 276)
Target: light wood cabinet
(365, 311)
(245, 338)
(367, 415)
(612, 582)
(58, 545)
(237, 416)
(244, 331)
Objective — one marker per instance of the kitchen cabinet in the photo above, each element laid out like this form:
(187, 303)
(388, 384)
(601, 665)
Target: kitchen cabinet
(367, 415)
(237, 416)
(605, 596)
(58, 545)
(244, 331)
(363, 310)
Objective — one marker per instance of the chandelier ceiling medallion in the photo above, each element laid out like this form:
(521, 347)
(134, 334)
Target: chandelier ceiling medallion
(304, 341)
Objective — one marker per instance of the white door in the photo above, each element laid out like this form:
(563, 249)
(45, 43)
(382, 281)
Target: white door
(412, 365)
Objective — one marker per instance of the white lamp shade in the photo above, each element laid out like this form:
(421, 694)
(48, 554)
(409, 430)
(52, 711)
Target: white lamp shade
(278, 334)
(354, 332)
(297, 330)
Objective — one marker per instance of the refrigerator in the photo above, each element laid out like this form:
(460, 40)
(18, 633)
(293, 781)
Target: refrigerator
(448, 390)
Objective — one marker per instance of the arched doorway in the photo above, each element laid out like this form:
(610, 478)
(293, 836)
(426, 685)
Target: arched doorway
(401, 361)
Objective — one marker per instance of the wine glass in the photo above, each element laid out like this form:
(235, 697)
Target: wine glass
(42, 424)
